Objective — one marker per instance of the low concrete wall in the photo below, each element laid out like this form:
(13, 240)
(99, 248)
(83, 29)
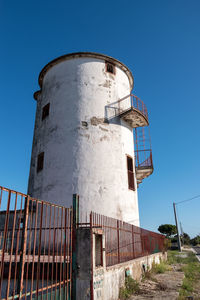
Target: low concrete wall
(96, 281)
(107, 281)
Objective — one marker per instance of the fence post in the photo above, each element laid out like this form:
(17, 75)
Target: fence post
(133, 242)
(75, 222)
(23, 247)
(142, 241)
(118, 251)
(91, 245)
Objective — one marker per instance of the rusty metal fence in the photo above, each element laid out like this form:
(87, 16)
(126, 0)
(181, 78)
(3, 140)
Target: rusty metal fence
(35, 248)
(124, 241)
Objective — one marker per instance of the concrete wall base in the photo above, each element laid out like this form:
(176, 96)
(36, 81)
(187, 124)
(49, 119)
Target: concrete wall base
(107, 281)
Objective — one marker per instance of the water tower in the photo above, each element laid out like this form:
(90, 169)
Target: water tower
(83, 138)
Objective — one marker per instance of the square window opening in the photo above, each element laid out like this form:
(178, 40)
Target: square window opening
(110, 68)
(131, 182)
(40, 162)
(98, 250)
(45, 111)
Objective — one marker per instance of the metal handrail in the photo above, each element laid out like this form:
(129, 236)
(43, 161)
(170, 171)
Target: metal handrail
(143, 158)
(136, 103)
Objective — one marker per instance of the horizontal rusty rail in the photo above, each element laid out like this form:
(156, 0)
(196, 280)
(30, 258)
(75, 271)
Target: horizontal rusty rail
(36, 258)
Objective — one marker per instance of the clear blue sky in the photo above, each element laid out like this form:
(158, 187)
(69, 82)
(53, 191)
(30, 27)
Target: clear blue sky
(158, 40)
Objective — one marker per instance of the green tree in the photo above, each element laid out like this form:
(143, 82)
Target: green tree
(195, 241)
(185, 239)
(167, 229)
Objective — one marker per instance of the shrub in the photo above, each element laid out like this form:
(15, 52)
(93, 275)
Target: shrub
(167, 244)
(131, 287)
(162, 267)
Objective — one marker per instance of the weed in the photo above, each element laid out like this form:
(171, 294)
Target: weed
(187, 285)
(162, 267)
(131, 287)
(123, 293)
(147, 275)
(175, 257)
(191, 268)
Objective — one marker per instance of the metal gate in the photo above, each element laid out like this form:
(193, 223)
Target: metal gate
(35, 248)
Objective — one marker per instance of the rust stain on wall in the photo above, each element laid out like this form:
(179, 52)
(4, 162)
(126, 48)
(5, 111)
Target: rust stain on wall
(96, 121)
(104, 138)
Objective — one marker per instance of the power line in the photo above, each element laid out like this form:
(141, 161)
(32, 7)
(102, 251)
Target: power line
(198, 196)
(175, 204)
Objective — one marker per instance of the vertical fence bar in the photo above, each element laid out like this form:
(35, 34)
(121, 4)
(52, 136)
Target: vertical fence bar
(70, 221)
(57, 236)
(53, 261)
(64, 252)
(49, 252)
(61, 254)
(39, 250)
(91, 237)
(43, 267)
(23, 247)
(74, 243)
(4, 240)
(142, 242)
(17, 247)
(133, 246)
(34, 245)
(12, 244)
(29, 243)
(118, 244)
(1, 195)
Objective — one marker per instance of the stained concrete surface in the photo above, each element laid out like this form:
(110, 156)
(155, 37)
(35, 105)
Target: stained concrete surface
(163, 286)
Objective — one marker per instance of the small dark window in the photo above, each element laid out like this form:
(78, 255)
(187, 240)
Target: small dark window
(40, 162)
(98, 250)
(131, 183)
(45, 111)
(84, 124)
(110, 68)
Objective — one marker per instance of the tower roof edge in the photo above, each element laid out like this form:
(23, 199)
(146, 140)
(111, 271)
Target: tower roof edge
(86, 54)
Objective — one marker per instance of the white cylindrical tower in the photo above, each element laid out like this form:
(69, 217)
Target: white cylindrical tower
(81, 144)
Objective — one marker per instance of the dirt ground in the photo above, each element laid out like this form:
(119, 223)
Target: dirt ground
(161, 286)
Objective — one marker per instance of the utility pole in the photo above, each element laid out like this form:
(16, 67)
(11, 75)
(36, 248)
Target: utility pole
(179, 241)
(182, 233)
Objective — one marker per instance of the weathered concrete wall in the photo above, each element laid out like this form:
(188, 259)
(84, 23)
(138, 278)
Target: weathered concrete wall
(84, 264)
(83, 153)
(107, 281)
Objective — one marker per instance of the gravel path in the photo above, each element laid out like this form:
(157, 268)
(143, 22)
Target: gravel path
(162, 286)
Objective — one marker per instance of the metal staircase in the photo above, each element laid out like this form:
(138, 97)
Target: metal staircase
(143, 153)
(132, 110)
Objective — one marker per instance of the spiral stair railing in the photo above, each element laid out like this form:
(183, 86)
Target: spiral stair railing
(133, 110)
(143, 153)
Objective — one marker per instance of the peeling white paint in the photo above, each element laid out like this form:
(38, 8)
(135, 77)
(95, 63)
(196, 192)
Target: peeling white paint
(79, 157)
